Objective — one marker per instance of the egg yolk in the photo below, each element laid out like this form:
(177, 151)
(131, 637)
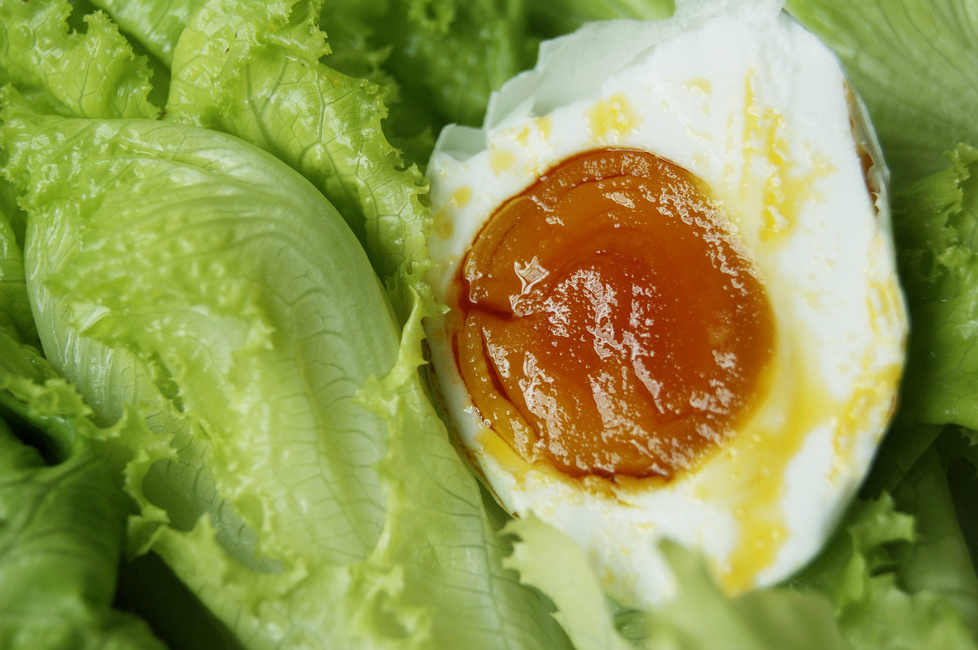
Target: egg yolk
(608, 324)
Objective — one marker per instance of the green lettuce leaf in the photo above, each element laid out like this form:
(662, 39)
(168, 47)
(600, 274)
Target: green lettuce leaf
(253, 69)
(959, 459)
(359, 38)
(859, 570)
(89, 73)
(61, 532)
(939, 561)
(290, 468)
(155, 24)
(915, 64)
(149, 588)
(549, 560)
(15, 308)
(226, 316)
(764, 619)
(449, 56)
(62, 512)
(935, 223)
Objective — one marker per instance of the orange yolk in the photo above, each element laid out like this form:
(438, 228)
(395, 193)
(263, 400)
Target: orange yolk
(608, 324)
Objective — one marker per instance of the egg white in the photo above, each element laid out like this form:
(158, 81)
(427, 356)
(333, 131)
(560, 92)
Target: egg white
(747, 100)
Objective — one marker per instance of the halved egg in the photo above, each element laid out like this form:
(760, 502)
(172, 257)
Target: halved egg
(672, 304)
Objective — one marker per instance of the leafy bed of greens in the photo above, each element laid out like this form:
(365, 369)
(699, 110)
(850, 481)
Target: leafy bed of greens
(226, 441)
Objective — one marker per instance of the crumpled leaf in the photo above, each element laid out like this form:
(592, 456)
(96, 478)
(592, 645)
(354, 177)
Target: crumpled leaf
(936, 228)
(90, 74)
(873, 609)
(61, 531)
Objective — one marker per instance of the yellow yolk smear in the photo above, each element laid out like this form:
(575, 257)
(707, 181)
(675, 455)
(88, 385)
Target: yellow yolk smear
(608, 322)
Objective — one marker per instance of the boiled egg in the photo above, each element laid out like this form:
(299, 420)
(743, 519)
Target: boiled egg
(672, 308)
